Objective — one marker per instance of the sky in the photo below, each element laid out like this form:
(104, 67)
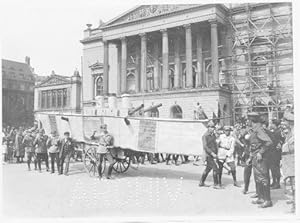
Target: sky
(49, 31)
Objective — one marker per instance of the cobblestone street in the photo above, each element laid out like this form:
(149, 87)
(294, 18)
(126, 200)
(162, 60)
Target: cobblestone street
(159, 190)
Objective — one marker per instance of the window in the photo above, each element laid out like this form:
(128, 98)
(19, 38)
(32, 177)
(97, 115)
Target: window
(59, 98)
(64, 97)
(130, 82)
(150, 80)
(43, 99)
(54, 95)
(48, 99)
(99, 86)
(175, 111)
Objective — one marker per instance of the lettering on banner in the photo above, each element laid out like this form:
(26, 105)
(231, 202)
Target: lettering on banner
(147, 135)
(53, 124)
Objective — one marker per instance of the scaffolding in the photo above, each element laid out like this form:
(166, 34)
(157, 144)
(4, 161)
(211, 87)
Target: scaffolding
(260, 66)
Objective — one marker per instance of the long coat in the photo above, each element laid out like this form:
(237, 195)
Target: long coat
(20, 150)
(66, 147)
(288, 156)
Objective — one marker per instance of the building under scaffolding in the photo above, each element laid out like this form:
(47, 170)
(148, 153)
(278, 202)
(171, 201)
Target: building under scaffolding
(261, 62)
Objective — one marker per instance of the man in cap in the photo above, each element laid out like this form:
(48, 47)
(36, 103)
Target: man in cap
(106, 142)
(41, 149)
(260, 142)
(211, 149)
(225, 153)
(29, 148)
(66, 148)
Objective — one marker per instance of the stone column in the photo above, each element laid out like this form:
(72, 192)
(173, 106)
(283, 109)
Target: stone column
(143, 62)
(177, 62)
(123, 64)
(119, 52)
(188, 56)
(165, 57)
(156, 65)
(199, 77)
(105, 67)
(214, 52)
(137, 67)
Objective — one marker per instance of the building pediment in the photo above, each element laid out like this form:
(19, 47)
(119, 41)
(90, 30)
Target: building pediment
(148, 11)
(54, 80)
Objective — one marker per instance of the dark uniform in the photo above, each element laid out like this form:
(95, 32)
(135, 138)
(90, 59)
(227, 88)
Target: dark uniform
(66, 149)
(211, 149)
(260, 142)
(41, 149)
(275, 156)
(29, 148)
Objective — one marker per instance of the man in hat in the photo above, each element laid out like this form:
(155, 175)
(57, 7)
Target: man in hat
(288, 156)
(211, 149)
(260, 143)
(29, 148)
(66, 148)
(41, 149)
(275, 153)
(106, 142)
(225, 153)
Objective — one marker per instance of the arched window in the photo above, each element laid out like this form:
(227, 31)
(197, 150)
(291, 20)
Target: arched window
(171, 78)
(130, 82)
(99, 86)
(150, 79)
(194, 70)
(175, 111)
(259, 72)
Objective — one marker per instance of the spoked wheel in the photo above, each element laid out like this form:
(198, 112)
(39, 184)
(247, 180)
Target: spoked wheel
(122, 165)
(91, 161)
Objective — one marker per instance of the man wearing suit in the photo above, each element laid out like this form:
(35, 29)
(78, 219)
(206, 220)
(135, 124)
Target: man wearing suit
(65, 153)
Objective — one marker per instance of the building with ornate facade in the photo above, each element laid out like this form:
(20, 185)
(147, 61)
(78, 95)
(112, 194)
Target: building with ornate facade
(229, 59)
(17, 92)
(58, 93)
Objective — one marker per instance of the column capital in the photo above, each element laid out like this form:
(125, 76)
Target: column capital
(143, 35)
(164, 31)
(187, 26)
(213, 21)
(105, 41)
(123, 38)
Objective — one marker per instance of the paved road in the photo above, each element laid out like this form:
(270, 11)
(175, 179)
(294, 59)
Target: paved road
(151, 190)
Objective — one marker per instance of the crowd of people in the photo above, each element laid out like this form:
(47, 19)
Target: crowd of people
(32, 143)
(259, 148)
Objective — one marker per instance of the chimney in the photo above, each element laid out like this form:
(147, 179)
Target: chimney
(27, 60)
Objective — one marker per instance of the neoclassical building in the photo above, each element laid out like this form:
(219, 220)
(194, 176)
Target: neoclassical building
(176, 55)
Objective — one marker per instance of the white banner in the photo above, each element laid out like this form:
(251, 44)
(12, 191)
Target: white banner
(142, 134)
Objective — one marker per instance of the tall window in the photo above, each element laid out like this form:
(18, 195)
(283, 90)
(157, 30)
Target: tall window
(49, 99)
(150, 80)
(59, 98)
(99, 86)
(54, 95)
(130, 82)
(44, 94)
(64, 97)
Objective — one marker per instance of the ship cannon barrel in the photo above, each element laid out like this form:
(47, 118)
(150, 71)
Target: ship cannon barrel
(151, 108)
(135, 110)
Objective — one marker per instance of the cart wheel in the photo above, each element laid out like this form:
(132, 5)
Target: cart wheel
(122, 165)
(91, 161)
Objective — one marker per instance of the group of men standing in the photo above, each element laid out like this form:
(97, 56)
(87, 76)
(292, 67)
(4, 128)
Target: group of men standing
(263, 150)
(38, 147)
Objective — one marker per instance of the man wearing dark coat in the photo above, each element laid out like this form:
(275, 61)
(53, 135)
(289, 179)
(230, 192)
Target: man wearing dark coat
(65, 152)
(260, 143)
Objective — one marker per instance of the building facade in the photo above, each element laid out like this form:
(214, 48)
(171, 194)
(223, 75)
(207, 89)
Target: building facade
(58, 94)
(181, 55)
(17, 92)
